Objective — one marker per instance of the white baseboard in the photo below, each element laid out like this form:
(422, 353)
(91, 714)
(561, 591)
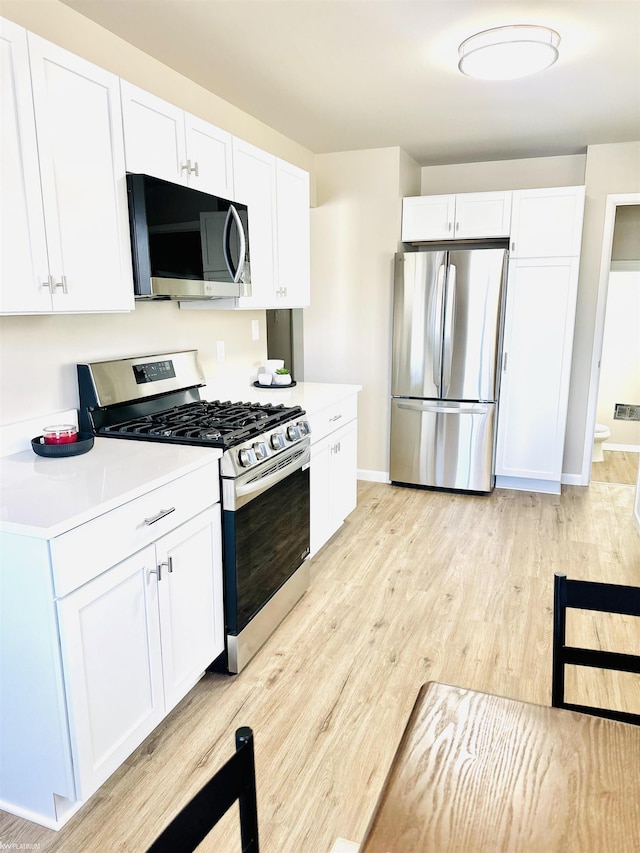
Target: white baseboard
(373, 476)
(627, 448)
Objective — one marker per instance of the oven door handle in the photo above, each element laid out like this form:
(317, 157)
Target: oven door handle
(251, 489)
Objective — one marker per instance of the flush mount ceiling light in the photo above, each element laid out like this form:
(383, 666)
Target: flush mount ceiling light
(505, 53)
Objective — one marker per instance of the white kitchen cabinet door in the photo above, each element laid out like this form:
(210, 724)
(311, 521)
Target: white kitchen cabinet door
(164, 141)
(154, 135)
(456, 217)
(81, 151)
(254, 180)
(547, 223)
(538, 343)
(482, 215)
(209, 151)
(428, 217)
(293, 288)
(320, 497)
(190, 598)
(110, 640)
(24, 267)
(333, 483)
(343, 464)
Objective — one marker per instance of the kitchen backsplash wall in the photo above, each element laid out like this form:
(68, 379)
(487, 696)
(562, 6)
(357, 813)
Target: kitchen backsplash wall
(38, 354)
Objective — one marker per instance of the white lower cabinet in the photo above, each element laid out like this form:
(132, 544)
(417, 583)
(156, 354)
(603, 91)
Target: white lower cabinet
(536, 367)
(134, 642)
(104, 628)
(333, 481)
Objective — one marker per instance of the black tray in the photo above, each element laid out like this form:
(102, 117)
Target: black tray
(57, 451)
(274, 387)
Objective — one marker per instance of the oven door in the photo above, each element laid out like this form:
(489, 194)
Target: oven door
(266, 541)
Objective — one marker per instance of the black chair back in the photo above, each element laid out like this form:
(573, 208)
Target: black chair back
(236, 780)
(604, 598)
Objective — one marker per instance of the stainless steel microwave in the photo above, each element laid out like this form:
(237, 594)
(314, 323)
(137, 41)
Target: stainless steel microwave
(186, 244)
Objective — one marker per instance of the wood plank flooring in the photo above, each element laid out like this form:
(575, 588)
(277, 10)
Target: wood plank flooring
(618, 466)
(416, 586)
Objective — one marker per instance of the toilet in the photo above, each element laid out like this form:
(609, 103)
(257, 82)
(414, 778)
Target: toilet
(601, 435)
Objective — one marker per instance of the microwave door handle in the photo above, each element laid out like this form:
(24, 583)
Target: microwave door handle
(233, 216)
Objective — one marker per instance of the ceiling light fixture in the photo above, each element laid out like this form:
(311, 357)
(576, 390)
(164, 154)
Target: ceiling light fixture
(505, 53)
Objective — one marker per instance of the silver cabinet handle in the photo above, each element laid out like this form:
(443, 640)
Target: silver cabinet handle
(168, 564)
(157, 571)
(504, 362)
(161, 514)
(334, 418)
(53, 285)
(513, 246)
(195, 170)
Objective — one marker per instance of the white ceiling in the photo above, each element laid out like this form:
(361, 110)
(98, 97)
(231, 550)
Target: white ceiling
(338, 75)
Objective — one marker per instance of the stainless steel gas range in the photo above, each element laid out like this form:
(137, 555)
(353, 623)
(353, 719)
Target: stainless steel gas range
(264, 478)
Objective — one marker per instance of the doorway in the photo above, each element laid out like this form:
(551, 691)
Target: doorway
(614, 402)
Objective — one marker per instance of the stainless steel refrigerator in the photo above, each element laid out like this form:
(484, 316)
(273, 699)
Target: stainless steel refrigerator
(447, 330)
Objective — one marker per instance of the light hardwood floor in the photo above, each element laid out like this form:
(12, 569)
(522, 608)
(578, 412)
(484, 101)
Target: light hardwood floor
(618, 466)
(416, 586)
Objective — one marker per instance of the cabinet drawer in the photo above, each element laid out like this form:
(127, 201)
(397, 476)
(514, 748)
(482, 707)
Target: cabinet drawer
(85, 552)
(332, 417)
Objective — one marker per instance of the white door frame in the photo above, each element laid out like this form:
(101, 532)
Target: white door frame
(613, 201)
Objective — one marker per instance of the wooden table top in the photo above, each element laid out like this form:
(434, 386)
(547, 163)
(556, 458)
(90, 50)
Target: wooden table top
(476, 772)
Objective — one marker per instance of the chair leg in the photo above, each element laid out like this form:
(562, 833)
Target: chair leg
(247, 801)
(559, 638)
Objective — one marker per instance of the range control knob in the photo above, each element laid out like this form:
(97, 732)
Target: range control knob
(305, 429)
(293, 432)
(277, 441)
(247, 457)
(261, 450)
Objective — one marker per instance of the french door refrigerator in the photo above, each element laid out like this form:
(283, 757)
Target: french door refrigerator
(447, 330)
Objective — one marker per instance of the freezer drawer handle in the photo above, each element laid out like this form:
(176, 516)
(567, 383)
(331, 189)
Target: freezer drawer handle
(446, 410)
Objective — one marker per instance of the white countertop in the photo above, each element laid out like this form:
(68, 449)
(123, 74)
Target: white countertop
(44, 497)
(312, 396)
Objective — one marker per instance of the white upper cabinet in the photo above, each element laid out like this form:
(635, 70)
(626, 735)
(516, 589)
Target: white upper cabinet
(293, 288)
(80, 160)
(547, 223)
(456, 217)
(23, 254)
(164, 141)
(254, 174)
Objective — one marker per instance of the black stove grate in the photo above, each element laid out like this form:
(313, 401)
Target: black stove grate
(215, 424)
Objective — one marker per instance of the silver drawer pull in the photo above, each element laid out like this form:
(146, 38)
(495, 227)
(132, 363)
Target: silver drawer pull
(335, 418)
(161, 514)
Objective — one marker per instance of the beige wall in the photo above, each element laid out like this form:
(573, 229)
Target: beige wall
(503, 175)
(620, 360)
(611, 169)
(38, 354)
(354, 235)
(626, 234)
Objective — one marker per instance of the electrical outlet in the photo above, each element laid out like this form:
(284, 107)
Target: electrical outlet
(255, 330)
(220, 350)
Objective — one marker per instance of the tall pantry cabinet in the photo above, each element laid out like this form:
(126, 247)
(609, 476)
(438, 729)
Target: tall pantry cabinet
(546, 233)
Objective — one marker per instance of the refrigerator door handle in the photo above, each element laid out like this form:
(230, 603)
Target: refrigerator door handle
(436, 325)
(449, 313)
(462, 409)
